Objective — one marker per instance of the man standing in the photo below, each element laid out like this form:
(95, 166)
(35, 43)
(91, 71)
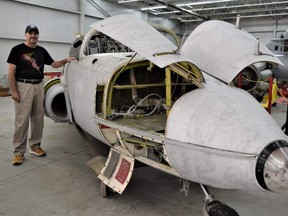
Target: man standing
(25, 72)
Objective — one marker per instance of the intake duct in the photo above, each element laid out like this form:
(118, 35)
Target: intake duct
(55, 103)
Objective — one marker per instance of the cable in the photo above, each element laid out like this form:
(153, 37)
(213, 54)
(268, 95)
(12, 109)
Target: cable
(131, 111)
(281, 94)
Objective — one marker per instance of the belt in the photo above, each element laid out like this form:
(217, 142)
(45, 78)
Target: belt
(30, 81)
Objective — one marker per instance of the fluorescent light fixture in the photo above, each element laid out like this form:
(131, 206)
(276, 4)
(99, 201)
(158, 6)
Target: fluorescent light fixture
(127, 1)
(168, 12)
(163, 13)
(193, 20)
(153, 7)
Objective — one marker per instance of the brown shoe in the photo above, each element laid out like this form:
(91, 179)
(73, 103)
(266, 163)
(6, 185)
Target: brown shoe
(17, 160)
(38, 152)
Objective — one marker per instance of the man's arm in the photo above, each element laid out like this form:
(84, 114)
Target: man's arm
(12, 81)
(57, 64)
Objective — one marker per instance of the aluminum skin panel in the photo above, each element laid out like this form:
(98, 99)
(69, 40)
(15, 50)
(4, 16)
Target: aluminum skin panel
(222, 50)
(212, 167)
(140, 37)
(117, 171)
(214, 131)
(81, 79)
(222, 117)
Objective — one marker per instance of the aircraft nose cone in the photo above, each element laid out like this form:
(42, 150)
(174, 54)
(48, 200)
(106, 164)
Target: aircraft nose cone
(272, 167)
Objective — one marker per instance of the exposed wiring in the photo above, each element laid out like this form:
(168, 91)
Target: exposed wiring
(131, 112)
(255, 81)
(281, 94)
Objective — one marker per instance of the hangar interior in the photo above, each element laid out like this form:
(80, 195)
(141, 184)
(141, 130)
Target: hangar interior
(58, 186)
(266, 19)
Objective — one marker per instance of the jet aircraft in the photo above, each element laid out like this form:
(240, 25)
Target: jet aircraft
(279, 47)
(147, 101)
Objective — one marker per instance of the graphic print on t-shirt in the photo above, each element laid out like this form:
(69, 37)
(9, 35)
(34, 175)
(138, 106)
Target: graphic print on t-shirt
(30, 60)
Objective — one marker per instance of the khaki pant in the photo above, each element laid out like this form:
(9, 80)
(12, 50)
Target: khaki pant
(30, 108)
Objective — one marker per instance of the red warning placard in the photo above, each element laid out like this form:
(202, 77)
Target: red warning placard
(123, 171)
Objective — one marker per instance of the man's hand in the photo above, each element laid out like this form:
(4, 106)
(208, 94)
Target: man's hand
(71, 59)
(57, 64)
(15, 96)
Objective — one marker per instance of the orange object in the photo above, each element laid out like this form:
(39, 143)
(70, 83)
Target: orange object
(51, 75)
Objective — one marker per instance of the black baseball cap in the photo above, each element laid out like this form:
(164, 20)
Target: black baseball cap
(31, 28)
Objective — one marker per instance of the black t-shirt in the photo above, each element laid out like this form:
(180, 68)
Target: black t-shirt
(29, 61)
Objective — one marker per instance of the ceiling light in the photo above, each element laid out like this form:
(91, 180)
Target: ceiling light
(127, 1)
(153, 7)
(168, 12)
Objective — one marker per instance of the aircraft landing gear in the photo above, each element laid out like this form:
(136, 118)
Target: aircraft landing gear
(104, 189)
(214, 207)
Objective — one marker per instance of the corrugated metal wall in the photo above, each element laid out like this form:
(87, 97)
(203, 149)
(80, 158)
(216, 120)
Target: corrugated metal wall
(266, 29)
(58, 21)
(57, 27)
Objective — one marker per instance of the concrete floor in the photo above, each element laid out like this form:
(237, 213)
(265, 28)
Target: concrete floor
(62, 184)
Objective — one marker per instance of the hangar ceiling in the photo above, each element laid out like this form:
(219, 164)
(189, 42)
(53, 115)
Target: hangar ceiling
(198, 10)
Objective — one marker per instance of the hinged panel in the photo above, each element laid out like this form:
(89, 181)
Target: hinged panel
(117, 171)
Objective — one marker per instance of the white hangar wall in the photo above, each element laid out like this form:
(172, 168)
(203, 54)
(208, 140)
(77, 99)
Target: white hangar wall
(266, 29)
(59, 21)
(57, 27)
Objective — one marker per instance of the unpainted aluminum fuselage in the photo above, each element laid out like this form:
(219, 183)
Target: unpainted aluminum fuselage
(207, 132)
